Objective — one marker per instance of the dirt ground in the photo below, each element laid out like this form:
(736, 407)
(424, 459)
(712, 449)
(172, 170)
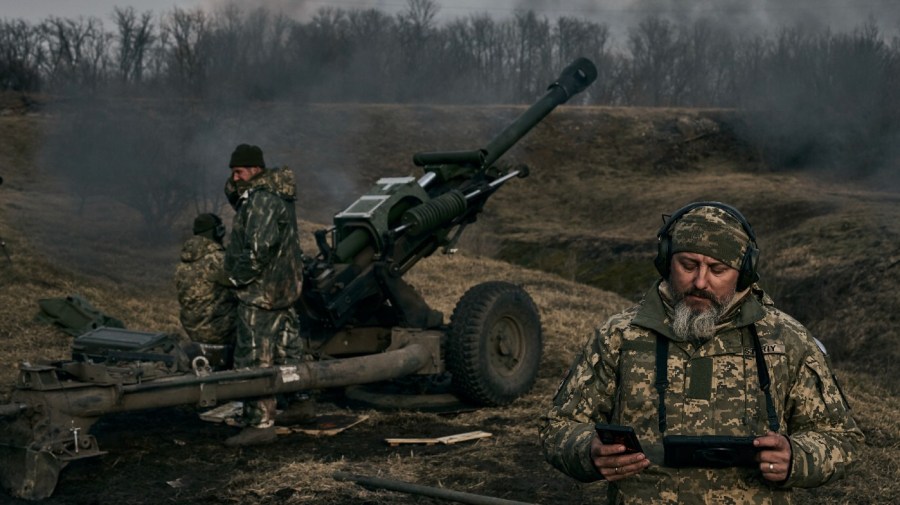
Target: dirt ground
(175, 457)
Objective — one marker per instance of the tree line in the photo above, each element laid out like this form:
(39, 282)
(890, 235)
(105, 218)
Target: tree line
(823, 94)
(368, 55)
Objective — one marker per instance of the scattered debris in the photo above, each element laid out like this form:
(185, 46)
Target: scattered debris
(447, 440)
(416, 489)
(324, 425)
(176, 484)
(223, 413)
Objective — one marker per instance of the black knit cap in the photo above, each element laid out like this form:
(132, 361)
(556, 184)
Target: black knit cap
(206, 222)
(246, 155)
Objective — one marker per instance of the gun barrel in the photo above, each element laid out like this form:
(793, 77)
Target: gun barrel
(35, 446)
(573, 79)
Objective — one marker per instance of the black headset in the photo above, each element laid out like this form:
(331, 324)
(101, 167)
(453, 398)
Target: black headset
(220, 228)
(747, 272)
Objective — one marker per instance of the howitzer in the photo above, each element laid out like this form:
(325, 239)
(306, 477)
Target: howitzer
(401, 220)
(363, 323)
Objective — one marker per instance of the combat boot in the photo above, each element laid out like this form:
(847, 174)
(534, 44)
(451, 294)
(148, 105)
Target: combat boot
(252, 435)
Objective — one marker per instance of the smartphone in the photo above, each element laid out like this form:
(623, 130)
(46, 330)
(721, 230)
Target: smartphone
(617, 434)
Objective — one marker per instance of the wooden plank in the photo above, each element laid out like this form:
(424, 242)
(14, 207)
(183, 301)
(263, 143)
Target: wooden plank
(323, 426)
(446, 440)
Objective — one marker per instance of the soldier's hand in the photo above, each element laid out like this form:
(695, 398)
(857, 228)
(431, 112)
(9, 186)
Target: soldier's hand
(222, 279)
(612, 462)
(774, 456)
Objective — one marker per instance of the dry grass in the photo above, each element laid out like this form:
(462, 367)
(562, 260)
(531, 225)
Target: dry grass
(599, 184)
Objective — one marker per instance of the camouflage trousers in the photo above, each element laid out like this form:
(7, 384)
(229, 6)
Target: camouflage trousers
(265, 338)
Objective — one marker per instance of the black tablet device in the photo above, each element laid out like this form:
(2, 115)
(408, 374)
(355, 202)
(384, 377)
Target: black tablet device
(709, 451)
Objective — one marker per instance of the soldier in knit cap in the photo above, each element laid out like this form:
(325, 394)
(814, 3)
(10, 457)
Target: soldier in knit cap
(208, 309)
(263, 264)
(705, 353)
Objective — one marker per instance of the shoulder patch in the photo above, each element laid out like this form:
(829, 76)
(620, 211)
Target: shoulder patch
(778, 348)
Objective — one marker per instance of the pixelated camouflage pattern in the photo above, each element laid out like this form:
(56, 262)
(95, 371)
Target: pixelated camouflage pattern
(713, 390)
(713, 232)
(265, 338)
(263, 258)
(207, 308)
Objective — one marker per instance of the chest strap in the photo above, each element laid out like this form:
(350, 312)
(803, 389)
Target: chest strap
(764, 382)
(662, 379)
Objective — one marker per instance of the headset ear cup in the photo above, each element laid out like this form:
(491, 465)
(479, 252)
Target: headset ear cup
(662, 260)
(748, 274)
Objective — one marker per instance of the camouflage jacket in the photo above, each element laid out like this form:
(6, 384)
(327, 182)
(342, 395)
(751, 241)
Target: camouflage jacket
(207, 308)
(713, 390)
(263, 259)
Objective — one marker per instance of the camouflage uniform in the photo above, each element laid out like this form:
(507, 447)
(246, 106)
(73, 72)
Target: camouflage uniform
(264, 261)
(207, 308)
(713, 390)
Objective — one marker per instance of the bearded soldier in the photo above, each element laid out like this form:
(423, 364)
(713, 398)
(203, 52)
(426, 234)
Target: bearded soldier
(263, 263)
(207, 308)
(732, 400)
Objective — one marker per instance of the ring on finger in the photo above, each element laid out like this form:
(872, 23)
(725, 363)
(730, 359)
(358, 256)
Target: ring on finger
(616, 470)
(771, 467)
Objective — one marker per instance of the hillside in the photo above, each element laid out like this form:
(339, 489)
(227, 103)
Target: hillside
(582, 225)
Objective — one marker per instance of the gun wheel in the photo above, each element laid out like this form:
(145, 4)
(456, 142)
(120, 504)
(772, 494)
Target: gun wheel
(494, 346)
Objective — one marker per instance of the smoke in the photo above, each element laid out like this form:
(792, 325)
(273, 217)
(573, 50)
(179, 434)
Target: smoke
(186, 143)
(304, 10)
(750, 17)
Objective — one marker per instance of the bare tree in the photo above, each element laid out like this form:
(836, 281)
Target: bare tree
(576, 38)
(703, 59)
(488, 51)
(20, 56)
(188, 49)
(76, 52)
(372, 44)
(419, 15)
(462, 55)
(533, 54)
(135, 36)
(655, 54)
(415, 27)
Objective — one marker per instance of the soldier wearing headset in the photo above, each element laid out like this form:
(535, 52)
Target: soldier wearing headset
(208, 310)
(730, 399)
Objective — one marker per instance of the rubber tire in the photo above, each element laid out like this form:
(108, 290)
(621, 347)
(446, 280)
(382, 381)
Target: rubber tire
(494, 345)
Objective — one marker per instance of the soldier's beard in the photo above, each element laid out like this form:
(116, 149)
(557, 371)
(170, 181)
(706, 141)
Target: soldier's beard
(698, 326)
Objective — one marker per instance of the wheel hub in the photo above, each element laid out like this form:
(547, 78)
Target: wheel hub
(506, 346)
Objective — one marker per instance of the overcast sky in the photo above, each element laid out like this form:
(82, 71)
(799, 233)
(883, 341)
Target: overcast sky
(40, 9)
(839, 15)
